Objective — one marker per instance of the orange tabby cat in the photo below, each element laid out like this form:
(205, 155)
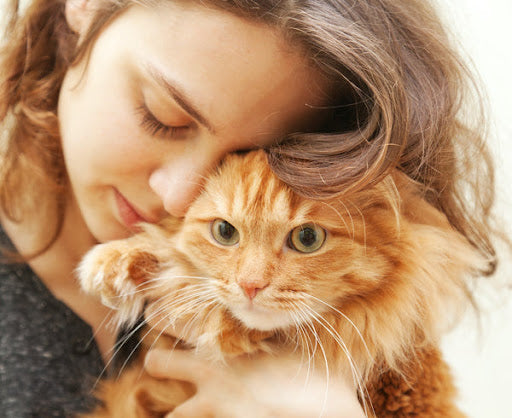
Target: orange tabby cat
(254, 266)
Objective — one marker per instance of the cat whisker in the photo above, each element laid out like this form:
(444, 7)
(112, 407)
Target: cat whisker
(358, 379)
(297, 337)
(191, 288)
(168, 307)
(342, 218)
(302, 323)
(300, 342)
(119, 344)
(162, 331)
(165, 280)
(155, 314)
(117, 347)
(188, 299)
(360, 335)
(141, 288)
(189, 302)
(161, 281)
(308, 318)
(192, 320)
(322, 349)
(312, 314)
(141, 339)
(187, 290)
(198, 323)
(312, 351)
(108, 320)
(364, 225)
(199, 307)
(163, 276)
(134, 350)
(115, 350)
(350, 216)
(355, 374)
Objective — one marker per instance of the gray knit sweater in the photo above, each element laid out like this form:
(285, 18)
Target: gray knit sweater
(49, 361)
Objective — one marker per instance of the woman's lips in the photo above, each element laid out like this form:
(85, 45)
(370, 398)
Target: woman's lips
(129, 215)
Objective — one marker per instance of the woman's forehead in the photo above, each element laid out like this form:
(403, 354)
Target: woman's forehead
(236, 72)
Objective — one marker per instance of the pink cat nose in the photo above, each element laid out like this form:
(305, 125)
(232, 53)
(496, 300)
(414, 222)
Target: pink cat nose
(251, 288)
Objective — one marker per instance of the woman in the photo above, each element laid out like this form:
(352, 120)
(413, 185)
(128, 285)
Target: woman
(114, 111)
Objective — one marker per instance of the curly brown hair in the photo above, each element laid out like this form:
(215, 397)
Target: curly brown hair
(402, 94)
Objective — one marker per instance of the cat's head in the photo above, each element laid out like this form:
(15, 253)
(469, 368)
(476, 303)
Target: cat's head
(383, 260)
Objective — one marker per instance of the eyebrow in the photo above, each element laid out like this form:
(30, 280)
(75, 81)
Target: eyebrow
(178, 94)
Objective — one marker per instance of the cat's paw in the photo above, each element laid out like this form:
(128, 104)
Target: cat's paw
(245, 342)
(234, 339)
(117, 274)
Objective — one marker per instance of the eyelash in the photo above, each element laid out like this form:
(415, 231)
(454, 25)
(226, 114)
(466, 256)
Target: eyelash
(154, 127)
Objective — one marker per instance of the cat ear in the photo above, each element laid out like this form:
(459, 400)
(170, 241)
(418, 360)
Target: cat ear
(413, 204)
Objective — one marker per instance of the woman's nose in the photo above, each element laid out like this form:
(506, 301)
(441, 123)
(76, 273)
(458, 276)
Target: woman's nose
(178, 183)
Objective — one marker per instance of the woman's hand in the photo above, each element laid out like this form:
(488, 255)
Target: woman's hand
(255, 386)
(221, 391)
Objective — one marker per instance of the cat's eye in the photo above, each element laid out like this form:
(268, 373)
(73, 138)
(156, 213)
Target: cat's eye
(306, 238)
(224, 233)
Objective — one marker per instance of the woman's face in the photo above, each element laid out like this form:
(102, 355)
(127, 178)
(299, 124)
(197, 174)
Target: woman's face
(167, 92)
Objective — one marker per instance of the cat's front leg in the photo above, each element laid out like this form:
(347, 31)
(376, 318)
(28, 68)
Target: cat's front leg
(224, 336)
(235, 339)
(212, 331)
(118, 272)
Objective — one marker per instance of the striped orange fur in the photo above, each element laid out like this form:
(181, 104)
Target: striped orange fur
(377, 294)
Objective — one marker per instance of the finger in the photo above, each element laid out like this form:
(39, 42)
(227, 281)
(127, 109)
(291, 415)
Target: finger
(177, 364)
(179, 328)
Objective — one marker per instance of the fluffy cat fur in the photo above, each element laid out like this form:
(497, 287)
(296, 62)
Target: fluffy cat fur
(377, 293)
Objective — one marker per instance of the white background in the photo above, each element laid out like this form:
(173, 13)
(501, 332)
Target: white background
(481, 359)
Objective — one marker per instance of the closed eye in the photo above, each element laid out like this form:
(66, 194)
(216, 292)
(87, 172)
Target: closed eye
(154, 127)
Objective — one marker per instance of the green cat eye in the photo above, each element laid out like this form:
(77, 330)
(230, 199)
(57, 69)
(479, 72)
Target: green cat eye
(224, 233)
(306, 238)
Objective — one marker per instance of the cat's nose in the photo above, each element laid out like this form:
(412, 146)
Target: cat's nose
(251, 288)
